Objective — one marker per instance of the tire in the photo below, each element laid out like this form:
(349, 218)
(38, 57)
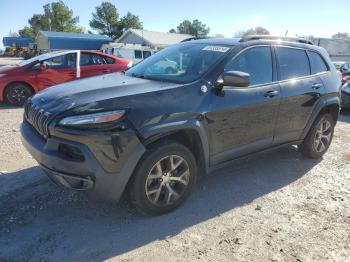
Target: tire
(16, 94)
(319, 138)
(154, 189)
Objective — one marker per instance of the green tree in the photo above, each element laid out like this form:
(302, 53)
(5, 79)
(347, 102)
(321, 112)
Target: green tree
(60, 18)
(106, 21)
(129, 21)
(173, 31)
(56, 17)
(253, 31)
(343, 36)
(195, 28)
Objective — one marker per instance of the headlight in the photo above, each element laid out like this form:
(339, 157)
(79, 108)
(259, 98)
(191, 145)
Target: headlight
(129, 64)
(92, 119)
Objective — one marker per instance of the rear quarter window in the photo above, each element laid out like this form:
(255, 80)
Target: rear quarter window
(318, 65)
(110, 60)
(293, 63)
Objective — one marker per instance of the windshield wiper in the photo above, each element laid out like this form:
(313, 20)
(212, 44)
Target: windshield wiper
(137, 75)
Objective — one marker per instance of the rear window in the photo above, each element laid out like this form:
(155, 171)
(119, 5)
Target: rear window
(293, 63)
(318, 65)
(88, 59)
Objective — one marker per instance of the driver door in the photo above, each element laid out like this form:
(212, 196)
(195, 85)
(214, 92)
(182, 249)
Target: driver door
(56, 70)
(242, 119)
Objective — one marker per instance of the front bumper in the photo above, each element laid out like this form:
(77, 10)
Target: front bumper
(90, 171)
(345, 100)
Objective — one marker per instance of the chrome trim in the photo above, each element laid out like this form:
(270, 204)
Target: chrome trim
(38, 118)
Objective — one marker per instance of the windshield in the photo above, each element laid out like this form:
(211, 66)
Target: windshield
(41, 57)
(31, 60)
(182, 63)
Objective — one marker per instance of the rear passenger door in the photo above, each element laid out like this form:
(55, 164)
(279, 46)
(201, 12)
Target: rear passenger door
(93, 64)
(301, 90)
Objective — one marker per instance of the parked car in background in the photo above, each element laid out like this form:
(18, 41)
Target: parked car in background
(152, 132)
(345, 94)
(18, 82)
(343, 68)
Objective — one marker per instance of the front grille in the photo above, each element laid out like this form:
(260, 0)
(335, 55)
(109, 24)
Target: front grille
(38, 118)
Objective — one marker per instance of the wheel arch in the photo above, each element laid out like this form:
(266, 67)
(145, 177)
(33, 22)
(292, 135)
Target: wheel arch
(329, 105)
(18, 82)
(193, 137)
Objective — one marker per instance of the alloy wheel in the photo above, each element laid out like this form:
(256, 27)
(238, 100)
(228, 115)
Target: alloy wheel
(323, 136)
(167, 181)
(17, 94)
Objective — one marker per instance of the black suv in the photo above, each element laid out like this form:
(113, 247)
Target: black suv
(151, 131)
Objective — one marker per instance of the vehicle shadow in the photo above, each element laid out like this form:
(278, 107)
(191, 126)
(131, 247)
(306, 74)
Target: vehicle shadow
(85, 230)
(4, 106)
(344, 116)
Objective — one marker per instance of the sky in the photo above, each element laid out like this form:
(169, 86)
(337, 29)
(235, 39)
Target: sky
(321, 18)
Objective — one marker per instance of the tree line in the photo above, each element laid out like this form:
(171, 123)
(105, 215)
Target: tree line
(57, 16)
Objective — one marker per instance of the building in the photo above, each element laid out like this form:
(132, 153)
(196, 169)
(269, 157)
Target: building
(155, 40)
(338, 49)
(48, 41)
(17, 41)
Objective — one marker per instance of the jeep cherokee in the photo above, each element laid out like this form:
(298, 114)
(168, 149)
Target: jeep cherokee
(151, 131)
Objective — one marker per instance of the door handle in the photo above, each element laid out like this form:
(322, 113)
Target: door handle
(316, 86)
(271, 93)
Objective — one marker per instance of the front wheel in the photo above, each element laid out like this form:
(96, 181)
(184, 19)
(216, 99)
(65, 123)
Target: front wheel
(16, 94)
(163, 179)
(320, 136)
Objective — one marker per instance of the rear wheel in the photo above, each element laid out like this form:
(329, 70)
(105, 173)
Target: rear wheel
(163, 179)
(317, 142)
(17, 93)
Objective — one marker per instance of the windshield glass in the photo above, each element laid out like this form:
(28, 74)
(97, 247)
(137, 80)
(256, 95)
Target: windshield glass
(41, 57)
(31, 60)
(182, 63)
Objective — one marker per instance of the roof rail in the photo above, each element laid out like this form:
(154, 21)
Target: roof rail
(193, 38)
(270, 37)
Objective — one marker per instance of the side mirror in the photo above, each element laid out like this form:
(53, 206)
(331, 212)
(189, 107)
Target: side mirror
(234, 79)
(42, 67)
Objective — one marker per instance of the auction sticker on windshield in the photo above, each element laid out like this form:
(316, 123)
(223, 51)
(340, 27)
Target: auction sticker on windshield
(216, 48)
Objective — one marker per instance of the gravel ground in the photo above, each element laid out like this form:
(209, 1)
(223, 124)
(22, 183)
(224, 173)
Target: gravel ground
(10, 60)
(276, 206)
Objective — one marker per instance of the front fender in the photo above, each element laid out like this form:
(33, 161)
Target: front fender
(152, 133)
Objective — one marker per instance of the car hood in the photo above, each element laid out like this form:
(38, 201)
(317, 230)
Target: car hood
(95, 93)
(9, 68)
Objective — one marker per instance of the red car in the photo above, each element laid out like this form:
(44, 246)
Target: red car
(21, 81)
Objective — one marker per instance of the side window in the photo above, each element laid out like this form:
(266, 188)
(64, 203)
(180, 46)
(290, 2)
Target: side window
(146, 54)
(61, 62)
(138, 54)
(293, 63)
(110, 60)
(318, 65)
(87, 59)
(257, 62)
